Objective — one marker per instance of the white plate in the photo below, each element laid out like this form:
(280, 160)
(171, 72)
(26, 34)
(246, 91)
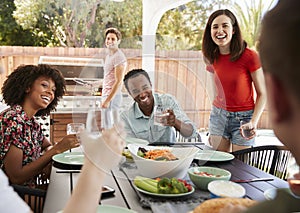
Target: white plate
(164, 195)
(111, 209)
(270, 194)
(70, 158)
(225, 188)
(213, 155)
(136, 141)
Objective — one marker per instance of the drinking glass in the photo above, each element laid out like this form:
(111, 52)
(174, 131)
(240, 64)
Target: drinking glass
(294, 176)
(93, 122)
(245, 130)
(109, 117)
(160, 115)
(94, 146)
(100, 119)
(74, 128)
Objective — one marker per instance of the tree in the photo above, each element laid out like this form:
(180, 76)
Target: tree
(250, 19)
(79, 23)
(68, 21)
(182, 27)
(126, 16)
(10, 32)
(82, 23)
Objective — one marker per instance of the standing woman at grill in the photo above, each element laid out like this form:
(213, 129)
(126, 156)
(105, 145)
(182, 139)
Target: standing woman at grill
(114, 71)
(235, 69)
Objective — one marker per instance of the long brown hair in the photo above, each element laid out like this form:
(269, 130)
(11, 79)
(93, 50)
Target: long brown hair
(237, 45)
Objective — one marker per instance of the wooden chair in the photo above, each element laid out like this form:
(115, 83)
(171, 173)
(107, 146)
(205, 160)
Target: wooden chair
(35, 198)
(269, 158)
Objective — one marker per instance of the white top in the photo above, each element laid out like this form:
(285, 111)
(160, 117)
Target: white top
(9, 199)
(3, 106)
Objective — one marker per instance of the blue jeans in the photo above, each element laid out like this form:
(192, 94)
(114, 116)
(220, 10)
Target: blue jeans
(106, 114)
(226, 124)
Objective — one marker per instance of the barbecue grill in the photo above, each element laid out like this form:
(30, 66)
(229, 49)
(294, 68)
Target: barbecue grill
(78, 73)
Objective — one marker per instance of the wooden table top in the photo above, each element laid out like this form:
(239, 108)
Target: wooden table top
(59, 189)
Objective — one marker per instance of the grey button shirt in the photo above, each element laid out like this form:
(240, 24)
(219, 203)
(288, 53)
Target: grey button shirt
(138, 125)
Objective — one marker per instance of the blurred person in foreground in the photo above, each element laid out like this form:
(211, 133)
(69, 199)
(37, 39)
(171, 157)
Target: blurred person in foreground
(279, 51)
(139, 118)
(101, 154)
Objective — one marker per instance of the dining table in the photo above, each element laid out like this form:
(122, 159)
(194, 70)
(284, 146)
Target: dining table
(126, 195)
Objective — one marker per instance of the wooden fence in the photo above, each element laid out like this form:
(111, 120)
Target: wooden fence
(180, 73)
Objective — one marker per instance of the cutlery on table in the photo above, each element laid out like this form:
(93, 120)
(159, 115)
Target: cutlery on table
(252, 180)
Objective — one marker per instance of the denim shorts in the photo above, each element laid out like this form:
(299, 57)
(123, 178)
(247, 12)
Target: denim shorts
(227, 124)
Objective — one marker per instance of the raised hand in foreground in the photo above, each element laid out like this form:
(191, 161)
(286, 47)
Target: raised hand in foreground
(102, 153)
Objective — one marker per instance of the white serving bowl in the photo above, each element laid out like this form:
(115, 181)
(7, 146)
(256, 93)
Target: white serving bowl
(152, 168)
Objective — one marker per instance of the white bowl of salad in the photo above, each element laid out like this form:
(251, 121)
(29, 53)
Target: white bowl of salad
(161, 161)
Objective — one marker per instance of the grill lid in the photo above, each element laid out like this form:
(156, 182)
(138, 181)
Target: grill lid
(84, 68)
(78, 73)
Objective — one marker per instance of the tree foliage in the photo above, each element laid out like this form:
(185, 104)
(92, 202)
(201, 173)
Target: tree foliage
(182, 27)
(126, 16)
(66, 20)
(76, 23)
(250, 18)
(12, 33)
(79, 23)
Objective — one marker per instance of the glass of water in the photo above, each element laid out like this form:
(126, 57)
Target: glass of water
(247, 131)
(100, 119)
(93, 122)
(74, 128)
(109, 117)
(160, 115)
(294, 176)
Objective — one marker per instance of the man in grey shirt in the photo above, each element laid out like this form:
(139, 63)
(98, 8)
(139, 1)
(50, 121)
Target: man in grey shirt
(139, 118)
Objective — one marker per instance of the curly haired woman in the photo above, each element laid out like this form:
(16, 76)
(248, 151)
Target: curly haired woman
(29, 91)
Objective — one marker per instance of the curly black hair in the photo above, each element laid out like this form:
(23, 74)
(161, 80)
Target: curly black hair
(23, 77)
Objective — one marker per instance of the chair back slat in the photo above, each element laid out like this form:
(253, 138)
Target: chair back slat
(180, 138)
(269, 158)
(35, 198)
